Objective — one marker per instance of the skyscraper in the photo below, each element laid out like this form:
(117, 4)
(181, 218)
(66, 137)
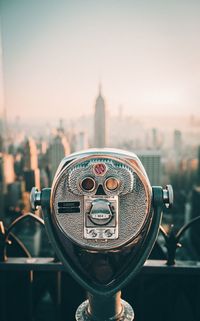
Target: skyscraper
(80, 141)
(100, 122)
(58, 149)
(177, 142)
(31, 170)
(151, 160)
(30, 155)
(7, 177)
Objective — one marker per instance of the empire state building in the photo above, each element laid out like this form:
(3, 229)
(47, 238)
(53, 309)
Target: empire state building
(100, 126)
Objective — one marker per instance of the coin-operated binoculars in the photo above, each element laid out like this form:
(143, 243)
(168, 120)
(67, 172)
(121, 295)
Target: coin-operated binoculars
(102, 217)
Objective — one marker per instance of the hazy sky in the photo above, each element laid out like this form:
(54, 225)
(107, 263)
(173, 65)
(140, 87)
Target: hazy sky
(146, 53)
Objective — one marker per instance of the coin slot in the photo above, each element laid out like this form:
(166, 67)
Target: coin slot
(68, 204)
(68, 207)
(68, 210)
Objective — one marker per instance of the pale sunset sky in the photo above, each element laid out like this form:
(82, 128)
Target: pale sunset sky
(55, 52)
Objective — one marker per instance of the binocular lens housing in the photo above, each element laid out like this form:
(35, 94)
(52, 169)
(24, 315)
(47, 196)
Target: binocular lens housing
(101, 202)
(111, 184)
(88, 184)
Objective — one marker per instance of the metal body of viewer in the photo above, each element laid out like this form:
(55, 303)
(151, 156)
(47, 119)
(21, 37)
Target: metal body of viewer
(102, 217)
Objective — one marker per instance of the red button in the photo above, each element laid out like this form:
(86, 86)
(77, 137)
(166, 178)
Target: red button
(100, 169)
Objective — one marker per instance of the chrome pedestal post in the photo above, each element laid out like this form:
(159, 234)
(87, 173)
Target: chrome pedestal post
(105, 308)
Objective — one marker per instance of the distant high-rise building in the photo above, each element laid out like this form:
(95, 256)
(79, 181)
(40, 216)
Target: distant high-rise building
(177, 142)
(60, 129)
(155, 138)
(58, 149)
(31, 170)
(30, 155)
(80, 141)
(7, 178)
(7, 174)
(151, 160)
(14, 195)
(100, 122)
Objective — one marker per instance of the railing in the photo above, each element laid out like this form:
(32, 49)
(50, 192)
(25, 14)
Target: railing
(37, 288)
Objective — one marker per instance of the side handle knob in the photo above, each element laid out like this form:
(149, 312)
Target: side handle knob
(35, 198)
(168, 196)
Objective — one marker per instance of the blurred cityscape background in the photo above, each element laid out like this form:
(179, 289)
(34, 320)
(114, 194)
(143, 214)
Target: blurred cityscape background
(76, 76)
(93, 74)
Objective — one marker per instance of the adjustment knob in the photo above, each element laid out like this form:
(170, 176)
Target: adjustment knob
(35, 198)
(168, 196)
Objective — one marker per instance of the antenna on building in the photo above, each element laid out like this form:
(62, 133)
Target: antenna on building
(61, 126)
(100, 88)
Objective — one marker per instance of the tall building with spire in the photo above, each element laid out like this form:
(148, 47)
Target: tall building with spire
(100, 122)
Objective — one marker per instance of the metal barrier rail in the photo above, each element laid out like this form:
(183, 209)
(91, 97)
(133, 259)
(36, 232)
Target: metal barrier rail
(172, 238)
(38, 289)
(49, 264)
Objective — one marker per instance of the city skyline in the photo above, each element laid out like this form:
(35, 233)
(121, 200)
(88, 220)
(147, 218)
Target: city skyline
(55, 53)
(99, 143)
